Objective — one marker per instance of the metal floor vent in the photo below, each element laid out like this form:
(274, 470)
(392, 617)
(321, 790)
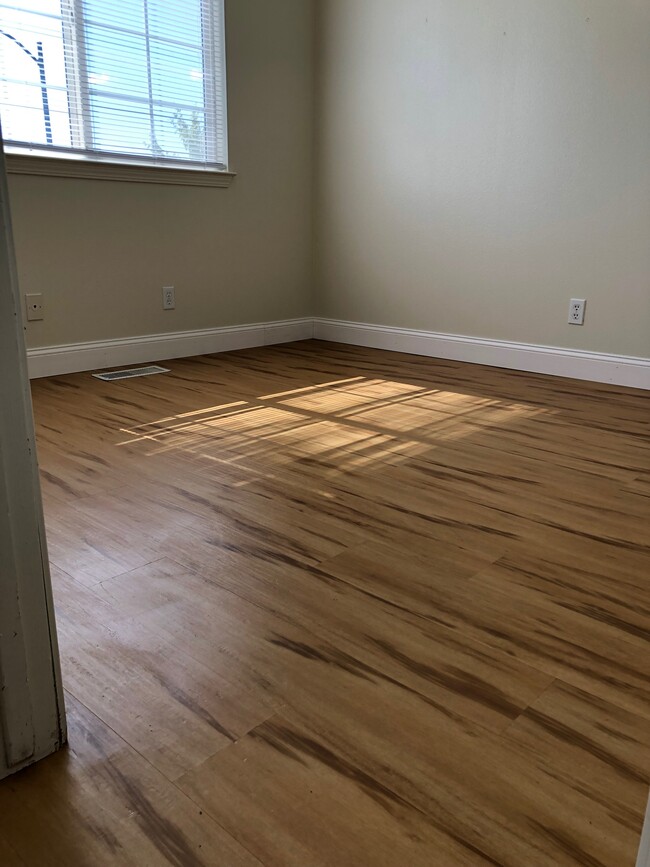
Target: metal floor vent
(129, 374)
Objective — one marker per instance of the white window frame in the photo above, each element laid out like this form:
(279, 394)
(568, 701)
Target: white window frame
(76, 161)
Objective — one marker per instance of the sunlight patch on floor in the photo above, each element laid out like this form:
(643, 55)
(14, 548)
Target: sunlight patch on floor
(352, 422)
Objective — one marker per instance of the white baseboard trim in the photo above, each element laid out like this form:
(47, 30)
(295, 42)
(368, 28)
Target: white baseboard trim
(75, 357)
(573, 363)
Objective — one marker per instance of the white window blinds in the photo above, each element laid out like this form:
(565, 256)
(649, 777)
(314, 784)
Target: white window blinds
(125, 80)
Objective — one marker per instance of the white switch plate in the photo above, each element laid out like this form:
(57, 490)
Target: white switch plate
(34, 305)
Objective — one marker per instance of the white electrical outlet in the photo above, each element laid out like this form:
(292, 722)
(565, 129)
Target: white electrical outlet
(169, 298)
(577, 311)
(34, 305)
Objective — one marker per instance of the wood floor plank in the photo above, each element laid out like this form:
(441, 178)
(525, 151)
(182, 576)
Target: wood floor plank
(586, 651)
(118, 668)
(217, 507)
(298, 627)
(585, 577)
(363, 607)
(450, 789)
(91, 551)
(613, 746)
(309, 804)
(98, 803)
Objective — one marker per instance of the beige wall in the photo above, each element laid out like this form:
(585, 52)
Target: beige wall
(482, 163)
(477, 164)
(101, 251)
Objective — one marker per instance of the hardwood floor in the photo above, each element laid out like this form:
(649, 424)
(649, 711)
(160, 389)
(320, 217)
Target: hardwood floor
(326, 605)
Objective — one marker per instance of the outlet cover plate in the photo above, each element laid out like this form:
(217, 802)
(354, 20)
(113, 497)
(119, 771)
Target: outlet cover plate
(577, 311)
(169, 298)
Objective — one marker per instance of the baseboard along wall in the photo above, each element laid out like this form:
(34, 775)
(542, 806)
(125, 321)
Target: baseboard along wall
(77, 357)
(572, 363)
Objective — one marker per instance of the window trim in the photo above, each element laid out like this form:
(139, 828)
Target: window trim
(114, 170)
(26, 158)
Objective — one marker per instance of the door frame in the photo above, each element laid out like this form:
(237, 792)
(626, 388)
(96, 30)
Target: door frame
(32, 713)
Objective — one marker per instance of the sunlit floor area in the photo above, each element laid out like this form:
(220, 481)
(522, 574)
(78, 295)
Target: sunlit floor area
(327, 605)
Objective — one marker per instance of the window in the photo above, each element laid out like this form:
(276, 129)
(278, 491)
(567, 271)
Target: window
(116, 80)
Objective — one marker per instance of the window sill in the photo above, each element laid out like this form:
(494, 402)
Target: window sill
(60, 167)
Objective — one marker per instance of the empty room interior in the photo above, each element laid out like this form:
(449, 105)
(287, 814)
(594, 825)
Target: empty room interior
(324, 433)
